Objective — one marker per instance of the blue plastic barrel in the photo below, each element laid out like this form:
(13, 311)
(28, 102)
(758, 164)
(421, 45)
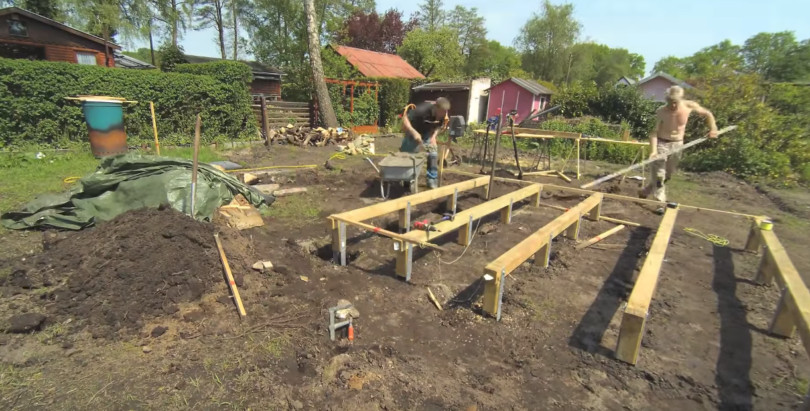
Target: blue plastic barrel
(105, 124)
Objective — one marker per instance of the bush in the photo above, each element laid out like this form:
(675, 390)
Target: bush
(225, 71)
(394, 96)
(33, 109)
(366, 111)
(170, 56)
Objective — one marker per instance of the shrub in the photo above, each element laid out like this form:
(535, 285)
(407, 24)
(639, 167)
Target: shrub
(394, 96)
(231, 72)
(33, 109)
(170, 56)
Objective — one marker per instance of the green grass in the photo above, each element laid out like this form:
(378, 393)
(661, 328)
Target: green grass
(296, 209)
(23, 177)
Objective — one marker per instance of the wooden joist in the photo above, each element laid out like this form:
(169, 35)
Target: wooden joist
(537, 244)
(638, 305)
(464, 220)
(390, 206)
(403, 205)
(793, 310)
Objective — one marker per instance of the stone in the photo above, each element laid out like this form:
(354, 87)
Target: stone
(23, 323)
(146, 349)
(158, 331)
(351, 311)
(262, 266)
(298, 405)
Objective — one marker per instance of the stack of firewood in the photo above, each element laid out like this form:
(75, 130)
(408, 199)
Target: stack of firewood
(305, 136)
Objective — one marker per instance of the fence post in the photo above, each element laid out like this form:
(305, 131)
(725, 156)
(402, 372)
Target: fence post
(265, 122)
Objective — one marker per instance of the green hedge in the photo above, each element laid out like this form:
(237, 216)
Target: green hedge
(395, 93)
(33, 110)
(230, 72)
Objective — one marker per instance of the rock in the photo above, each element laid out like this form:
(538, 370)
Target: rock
(304, 278)
(23, 323)
(351, 311)
(487, 228)
(262, 266)
(197, 315)
(298, 405)
(306, 246)
(146, 349)
(158, 331)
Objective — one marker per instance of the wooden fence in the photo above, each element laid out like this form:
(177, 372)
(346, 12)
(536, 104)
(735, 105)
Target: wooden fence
(273, 113)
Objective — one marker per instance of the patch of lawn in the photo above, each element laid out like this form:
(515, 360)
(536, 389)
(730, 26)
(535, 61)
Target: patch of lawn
(23, 176)
(296, 209)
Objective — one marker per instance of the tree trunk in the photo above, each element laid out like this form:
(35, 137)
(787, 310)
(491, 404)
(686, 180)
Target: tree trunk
(151, 45)
(175, 23)
(235, 30)
(220, 23)
(322, 93)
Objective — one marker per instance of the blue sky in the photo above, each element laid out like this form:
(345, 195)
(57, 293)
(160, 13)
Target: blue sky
(652, 28)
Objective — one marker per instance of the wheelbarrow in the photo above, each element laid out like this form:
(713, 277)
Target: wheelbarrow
(402, 168)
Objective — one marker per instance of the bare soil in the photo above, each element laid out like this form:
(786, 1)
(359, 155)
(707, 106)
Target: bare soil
(706, 344)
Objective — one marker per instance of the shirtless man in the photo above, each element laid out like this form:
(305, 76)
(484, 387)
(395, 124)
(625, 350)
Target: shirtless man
(670, 125)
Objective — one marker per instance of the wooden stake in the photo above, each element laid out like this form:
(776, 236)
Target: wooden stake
(433, 299)
(617, 221)
(154, 127)
(600, 237)
(565, 177)
(195, 164)
(231, 282)
(578, 140)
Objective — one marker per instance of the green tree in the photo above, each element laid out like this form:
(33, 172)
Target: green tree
(431, 15)
(170, 56)
(51, 9)
(433, 53)
(764, 52)
(333, 15)
(472, 36)
(796, 64)
(603, 65)
(211, 13)
(496, 61)
(546, 40)
(673, 66)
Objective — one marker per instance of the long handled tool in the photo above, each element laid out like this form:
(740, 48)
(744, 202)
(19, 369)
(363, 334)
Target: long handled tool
(494, 157)
(491, 124)
(511, 119)
(656, 158)
(231, 282)
(195, 164)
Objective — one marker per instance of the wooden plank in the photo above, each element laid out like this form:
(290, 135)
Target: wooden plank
(518, 254)
(796, 295)
(638, 304)
(651, 160)
(231, 282)
(482, 210)
(600, 237)
(390, 206)
(537, 244)
(390, 234)
(549, 134)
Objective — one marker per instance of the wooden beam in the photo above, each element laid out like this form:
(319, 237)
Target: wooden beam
(537, 244)
(390, 206)
(383, 232)
(638, 305)
(600, 237)
(462, 218)
(794, 306)
(521, 132)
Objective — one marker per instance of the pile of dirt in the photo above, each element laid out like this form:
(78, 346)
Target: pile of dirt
(139, 265)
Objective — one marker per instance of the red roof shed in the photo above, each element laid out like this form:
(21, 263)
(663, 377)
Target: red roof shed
(375, 64)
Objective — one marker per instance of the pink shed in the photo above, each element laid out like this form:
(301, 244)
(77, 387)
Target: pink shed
(525, 96)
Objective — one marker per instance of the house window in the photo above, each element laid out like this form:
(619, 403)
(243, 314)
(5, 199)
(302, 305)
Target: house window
(86, 58)
(17, 28)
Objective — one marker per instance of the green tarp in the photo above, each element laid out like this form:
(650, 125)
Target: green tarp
(129, 182)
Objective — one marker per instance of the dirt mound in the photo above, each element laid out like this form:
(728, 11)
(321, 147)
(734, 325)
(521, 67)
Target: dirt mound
(141, 264)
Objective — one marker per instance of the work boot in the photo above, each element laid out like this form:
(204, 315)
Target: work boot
(432, 183)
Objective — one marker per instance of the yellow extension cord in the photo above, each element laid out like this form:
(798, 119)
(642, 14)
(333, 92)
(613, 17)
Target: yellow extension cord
(712, 238)
(70, 180)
